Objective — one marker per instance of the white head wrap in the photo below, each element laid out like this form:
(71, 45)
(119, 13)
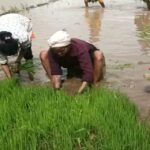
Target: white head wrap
(59, 39)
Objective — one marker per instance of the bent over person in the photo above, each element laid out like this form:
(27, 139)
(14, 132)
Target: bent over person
(81, 58)
(101, 2)
(15, 39)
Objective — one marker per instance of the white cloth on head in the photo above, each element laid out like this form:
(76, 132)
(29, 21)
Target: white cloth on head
(59, 39)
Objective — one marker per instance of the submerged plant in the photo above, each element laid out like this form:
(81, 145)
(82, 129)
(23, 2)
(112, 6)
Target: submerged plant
(145, 34)
(123, 66)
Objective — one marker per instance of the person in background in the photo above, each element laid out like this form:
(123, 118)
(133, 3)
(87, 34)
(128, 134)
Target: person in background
(15, 39)
(81, 58)
(101, 2)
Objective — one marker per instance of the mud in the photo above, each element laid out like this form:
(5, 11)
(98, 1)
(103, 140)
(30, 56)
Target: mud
(115, 30)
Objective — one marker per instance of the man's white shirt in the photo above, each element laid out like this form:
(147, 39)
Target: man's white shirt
(20, 26)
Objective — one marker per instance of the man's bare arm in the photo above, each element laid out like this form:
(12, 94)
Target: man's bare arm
(83, 87)
(7, 70)
(56, 81)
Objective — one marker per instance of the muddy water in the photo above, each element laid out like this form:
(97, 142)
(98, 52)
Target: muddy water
(114, 30)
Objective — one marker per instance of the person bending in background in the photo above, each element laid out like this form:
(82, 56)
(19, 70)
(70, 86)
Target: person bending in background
(15, 39)
(101, 2)
(81, 58)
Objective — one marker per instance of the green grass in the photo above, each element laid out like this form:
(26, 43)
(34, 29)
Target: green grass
(38, 118)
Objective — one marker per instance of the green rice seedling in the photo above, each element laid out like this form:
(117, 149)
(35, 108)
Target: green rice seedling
(27, 66)
(30, 65)
(39, 118)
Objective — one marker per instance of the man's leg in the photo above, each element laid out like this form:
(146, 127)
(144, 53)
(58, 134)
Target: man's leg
(45, 62)
(102, 3)
(27, 53)
(28, 56)
(86, 3)
(99, 65)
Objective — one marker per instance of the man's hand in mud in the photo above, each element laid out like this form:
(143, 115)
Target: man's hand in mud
(15, 67)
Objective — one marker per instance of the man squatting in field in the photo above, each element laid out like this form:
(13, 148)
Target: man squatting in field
(81, 58)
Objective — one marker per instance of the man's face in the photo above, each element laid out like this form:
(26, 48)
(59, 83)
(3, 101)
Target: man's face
(61, 51)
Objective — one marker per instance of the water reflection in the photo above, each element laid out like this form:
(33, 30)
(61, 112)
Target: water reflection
(93, 18)
(141, 21)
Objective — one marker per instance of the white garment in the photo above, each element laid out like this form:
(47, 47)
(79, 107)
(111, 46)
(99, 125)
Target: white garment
(20, 26)
(59, 39)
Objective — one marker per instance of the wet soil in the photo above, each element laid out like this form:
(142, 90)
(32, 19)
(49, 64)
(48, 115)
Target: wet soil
(115, 30)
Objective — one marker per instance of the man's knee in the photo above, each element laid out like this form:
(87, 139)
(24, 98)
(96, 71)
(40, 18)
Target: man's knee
(99, 56)
(43, 55)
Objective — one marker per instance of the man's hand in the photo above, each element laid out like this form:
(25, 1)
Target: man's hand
(83, 87)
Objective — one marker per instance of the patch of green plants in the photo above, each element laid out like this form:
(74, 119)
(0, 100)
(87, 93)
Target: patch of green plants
(145, 34)
(39, 118)
(30, 65)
